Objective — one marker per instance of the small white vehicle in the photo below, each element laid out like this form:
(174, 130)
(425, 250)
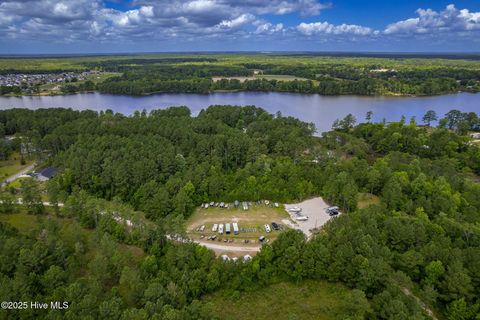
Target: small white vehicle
(301, 218)
(202, 228)
(267, 228)
(215, 227)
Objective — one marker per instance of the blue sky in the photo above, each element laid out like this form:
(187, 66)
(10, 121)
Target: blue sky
(101, 26)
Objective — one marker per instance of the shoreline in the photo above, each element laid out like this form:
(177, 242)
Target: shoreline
(52, 94)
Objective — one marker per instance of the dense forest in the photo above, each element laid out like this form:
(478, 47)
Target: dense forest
(204, 73)
(417, 249)
(335, 78)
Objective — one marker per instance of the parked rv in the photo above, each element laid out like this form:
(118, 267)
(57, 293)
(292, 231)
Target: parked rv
(227, 228)
(220, 228)
(235, 228)
(215, 227)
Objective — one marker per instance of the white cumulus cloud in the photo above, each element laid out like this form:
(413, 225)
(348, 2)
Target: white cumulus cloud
(449, 20)
(325, 28)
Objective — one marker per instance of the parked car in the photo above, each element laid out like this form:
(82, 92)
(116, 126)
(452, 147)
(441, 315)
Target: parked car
(332, 211)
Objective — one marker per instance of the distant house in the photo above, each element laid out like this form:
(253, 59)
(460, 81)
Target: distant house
(47, 173)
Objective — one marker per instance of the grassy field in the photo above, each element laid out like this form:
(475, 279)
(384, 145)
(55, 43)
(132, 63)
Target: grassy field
(278, 77)
(11, 166)
(367, 199)
(255, 217)
(308, 300)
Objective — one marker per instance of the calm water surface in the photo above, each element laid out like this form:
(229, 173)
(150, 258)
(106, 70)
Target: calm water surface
(321, 110)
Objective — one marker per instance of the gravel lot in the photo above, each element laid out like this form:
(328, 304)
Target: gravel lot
(314, 209)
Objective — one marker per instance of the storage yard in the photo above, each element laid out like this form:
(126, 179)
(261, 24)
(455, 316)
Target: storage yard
(237, 227)
(240, 228)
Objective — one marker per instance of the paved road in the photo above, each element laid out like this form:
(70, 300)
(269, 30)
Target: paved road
(18, 174)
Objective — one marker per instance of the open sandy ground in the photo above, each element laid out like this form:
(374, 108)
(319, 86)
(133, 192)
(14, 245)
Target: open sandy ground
(314, 209)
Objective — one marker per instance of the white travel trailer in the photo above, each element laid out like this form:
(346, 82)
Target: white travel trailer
(235, 228)
(227, 228)
(220, 228)
(215, 227)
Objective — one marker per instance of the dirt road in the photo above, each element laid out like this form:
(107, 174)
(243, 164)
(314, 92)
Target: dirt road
(18, 174)
(232, 248)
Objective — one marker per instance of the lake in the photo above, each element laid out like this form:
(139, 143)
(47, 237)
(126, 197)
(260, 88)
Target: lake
(321, 110)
